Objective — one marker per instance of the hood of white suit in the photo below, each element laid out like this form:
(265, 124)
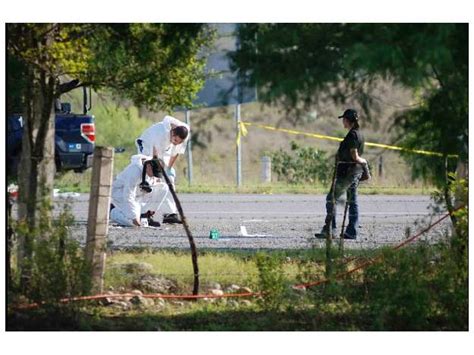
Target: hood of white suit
(139, 159)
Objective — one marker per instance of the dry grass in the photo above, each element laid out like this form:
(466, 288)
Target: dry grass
(214, 267)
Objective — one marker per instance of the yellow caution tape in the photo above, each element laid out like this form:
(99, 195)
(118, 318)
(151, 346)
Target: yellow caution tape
(241, 131)
(320, 136)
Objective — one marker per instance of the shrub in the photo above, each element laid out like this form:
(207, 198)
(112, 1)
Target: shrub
(419, 288)
(58, 268)
(301, 165)
(273, 284)
(399, 290)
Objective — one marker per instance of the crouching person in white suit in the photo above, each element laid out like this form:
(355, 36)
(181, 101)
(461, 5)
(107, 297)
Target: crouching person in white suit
(138, 192)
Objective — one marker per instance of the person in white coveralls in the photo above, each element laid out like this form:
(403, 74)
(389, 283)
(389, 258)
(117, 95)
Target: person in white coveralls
(138, 192)
(167, 139)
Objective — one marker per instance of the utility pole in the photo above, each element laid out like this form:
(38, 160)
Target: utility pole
(239, 144)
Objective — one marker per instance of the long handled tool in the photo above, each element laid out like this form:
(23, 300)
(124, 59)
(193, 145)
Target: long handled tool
(341, 240)
(329, 236)
(188, 232)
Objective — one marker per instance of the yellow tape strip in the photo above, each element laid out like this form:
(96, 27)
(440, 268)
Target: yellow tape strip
(314, 135)
(320, 136)
(242, 131)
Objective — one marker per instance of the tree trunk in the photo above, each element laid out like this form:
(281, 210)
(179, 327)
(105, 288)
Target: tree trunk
(462, 170)
(194, 253)
(9, 243)
(456, 198)
(36, 170)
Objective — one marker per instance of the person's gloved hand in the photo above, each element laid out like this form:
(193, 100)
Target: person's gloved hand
(171, 172)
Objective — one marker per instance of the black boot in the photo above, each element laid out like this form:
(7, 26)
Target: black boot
(149, 216)
(171, 218)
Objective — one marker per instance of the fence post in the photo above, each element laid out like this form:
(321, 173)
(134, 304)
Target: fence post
(266, 169)
(380, 166)
(238, 148)
(98, 219)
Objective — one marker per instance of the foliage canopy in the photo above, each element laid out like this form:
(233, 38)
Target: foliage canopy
(154, 65)
(294, 63)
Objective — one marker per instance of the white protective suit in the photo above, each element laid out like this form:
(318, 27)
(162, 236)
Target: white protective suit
(129, 199)
(159, 136)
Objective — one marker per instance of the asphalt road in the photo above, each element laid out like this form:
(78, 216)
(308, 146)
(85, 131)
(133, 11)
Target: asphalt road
(271, 222)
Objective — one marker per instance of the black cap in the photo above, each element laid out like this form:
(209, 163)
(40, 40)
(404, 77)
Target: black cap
(350, 114)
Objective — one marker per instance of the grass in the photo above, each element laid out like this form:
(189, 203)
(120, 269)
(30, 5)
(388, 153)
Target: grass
(225, 268)
(80, 182)
(197, 316)
(393, 295)
(282, 188)
(75, 182)
(221, 268)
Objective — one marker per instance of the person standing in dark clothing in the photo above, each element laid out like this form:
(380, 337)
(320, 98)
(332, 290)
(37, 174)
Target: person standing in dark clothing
(349, 169)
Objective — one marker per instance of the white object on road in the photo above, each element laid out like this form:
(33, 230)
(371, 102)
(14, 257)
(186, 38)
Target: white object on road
(243, 231)
(56, 193)
(144, 222)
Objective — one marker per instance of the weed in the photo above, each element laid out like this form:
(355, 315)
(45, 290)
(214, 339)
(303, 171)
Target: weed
(273, 284)
(57, 267)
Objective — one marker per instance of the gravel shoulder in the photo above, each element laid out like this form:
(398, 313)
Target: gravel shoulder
(271, 222)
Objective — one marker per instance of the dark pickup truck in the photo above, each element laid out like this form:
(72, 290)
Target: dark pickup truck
(74, 140)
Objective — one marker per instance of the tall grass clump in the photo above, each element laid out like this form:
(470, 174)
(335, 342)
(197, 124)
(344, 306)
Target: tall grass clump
(57, 268)
(273, 284)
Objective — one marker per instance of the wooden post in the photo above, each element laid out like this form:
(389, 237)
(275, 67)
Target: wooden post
(266, 169)
(380, 166)
(98, 220)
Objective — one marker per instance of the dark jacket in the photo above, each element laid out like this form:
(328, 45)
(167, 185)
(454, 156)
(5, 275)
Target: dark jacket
(347, 166)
